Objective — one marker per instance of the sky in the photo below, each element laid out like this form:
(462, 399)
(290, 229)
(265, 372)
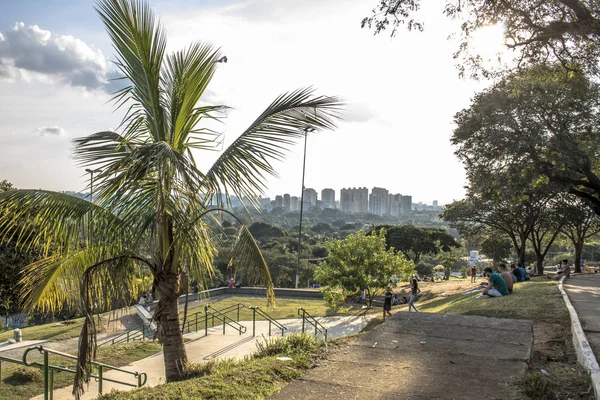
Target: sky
(400, 93)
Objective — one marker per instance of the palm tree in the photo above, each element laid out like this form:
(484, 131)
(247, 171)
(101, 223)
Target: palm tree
(151, 203)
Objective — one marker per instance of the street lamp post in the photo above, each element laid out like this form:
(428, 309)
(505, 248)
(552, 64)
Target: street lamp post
(91, 172)
(306, 130)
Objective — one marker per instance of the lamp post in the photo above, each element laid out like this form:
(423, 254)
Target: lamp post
(306, 130)
(91, 172)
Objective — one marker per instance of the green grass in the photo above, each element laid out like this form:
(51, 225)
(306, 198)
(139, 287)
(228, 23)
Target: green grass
(19, 382)
(537, 299)
(284, 308)
(255, 377)
(56, 331)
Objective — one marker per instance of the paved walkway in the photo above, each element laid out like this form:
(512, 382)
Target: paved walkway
(424, 356)
(202, 348)
(584, 293)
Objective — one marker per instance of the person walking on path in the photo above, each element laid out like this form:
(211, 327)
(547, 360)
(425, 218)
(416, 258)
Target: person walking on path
(414, 287)
(387, 303)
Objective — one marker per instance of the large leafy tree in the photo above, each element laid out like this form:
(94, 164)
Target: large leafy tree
(538, 118)
(361, 261)
(151, 200)
(413, 241)
(567, 31)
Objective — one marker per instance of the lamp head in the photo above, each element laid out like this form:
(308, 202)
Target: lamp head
(222, 59)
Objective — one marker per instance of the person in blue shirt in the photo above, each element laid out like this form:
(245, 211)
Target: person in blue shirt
(523, 272)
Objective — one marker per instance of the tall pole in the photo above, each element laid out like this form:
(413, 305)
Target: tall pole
(306, 130)
(91, 172)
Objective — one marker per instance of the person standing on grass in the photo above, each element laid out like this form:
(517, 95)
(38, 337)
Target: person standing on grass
(497, 286)
(387, 303)
(473, 274)
(414, 287)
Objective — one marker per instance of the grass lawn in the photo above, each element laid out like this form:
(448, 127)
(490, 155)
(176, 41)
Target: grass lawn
(19, 382)
(284, 307)
(255, 377)
(537, 299)
(58, 330)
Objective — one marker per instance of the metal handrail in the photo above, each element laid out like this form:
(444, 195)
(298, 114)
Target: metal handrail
(130, 335)
(48, 371)
(240, 328)
(266, 316)
(194, 318)
(311, 320)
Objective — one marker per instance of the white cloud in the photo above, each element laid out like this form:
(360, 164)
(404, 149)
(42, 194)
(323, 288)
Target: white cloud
(35, 51)
(51, 131)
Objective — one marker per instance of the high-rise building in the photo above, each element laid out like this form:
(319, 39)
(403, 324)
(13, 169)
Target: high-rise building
(310, 198)
(286, 202)
(278, 202)
(328, 198)
(406, 205)
(355, 200)
(294, 203)
(435, 203)
(378, 201)
(395, 204)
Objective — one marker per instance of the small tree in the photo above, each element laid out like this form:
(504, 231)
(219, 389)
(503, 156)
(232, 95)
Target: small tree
(361, 261)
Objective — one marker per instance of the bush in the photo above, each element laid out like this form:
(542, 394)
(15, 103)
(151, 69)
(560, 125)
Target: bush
(295, 344)
(23, 376)
(333, 297)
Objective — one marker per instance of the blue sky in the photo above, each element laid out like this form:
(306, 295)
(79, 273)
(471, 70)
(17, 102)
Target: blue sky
(401, 93)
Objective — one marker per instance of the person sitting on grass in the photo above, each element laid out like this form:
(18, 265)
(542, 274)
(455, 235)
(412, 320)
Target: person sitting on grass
(497, 286)
(509, 278)
(516, 271)
(563, 270)
(523, 272)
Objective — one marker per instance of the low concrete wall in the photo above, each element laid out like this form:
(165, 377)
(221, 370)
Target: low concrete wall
(585, 354)
(254, 291)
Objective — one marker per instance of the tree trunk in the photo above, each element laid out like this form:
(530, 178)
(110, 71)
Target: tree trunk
(540, 264)
(578, 251)
(167, 315)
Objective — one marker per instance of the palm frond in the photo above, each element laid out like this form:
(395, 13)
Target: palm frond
(242, 167)
(140, 42)
(186, 75)
(247, 258)
(54, 221)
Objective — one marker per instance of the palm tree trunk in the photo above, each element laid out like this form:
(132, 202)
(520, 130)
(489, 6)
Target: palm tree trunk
(169, 330)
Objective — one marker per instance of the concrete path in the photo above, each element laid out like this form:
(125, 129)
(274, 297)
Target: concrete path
(7, 347)
(584, 293)
(424, 356)
(202, 348)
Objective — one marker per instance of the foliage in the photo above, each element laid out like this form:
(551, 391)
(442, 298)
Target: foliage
(580, 222)
(361, 261)
(414, 241)
(250, 378)
(534, 31)
(260, 231)
(334, 296)
(538, 119)
(453, 260)
(423, 268)
(496, 246)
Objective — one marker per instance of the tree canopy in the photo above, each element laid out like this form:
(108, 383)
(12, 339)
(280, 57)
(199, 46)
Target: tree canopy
(566, 31)
(414, 241)
(361, 261)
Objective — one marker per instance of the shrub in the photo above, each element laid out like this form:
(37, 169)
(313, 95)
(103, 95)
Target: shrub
(296, 344)
(23, 376)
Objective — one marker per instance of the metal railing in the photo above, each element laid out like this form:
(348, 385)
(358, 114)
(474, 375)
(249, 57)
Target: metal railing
(129, 336)
(306, 317)
(263, 314)
(202, 317)
(224, 317)
(48, 370)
